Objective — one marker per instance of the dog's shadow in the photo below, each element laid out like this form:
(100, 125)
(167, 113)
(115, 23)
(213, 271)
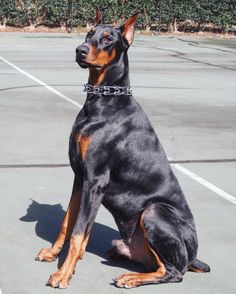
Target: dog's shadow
(48, 220)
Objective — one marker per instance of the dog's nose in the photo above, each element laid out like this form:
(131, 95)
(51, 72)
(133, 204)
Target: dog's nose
(82, 50)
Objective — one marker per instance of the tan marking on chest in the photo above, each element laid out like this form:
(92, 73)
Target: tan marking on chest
(83, 142)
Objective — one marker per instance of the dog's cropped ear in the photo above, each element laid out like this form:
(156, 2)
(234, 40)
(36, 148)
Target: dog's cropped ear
(98, 16)
(127, 29)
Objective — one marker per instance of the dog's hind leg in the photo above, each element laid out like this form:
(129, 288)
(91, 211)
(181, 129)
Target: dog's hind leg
(151, 239)
(120, 251)
(50, 254)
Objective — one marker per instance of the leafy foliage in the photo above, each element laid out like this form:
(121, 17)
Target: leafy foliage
(170, 14)
(7, 11)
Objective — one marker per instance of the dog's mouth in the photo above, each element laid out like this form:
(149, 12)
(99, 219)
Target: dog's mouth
(85, 64)
(82, 63)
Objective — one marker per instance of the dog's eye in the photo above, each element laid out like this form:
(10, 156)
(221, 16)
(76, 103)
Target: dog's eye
(107, 40)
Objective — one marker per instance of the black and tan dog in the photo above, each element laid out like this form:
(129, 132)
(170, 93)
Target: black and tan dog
(119, 162)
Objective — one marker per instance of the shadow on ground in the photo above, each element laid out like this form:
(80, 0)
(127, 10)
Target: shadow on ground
(48, 220)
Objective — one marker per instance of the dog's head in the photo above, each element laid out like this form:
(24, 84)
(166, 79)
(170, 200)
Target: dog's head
(104, 43)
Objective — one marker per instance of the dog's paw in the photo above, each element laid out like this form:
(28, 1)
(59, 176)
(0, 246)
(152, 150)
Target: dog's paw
(114, 255)
(128, 281)
(46, 254)
(59, 280)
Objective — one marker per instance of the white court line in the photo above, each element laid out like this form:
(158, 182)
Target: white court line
(179, 167)
(205, 183)
(42, 83)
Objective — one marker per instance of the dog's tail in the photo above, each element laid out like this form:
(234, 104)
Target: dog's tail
(198, 266)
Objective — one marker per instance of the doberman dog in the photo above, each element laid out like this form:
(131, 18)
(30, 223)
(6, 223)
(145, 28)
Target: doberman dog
(119, 162)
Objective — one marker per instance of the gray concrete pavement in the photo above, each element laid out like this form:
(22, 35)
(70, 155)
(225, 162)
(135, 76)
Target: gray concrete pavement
(186, 86)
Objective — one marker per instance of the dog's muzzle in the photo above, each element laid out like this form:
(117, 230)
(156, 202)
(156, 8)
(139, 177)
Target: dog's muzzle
(81, 54)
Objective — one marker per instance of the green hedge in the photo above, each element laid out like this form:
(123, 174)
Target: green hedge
(171, 15)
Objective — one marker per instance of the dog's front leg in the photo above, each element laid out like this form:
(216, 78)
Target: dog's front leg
(50, 254)
(91, 198)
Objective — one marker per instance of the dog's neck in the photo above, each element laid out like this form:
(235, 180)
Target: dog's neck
(115, 74)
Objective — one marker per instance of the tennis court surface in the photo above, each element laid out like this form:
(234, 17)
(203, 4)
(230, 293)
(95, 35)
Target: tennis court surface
(186, 86)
